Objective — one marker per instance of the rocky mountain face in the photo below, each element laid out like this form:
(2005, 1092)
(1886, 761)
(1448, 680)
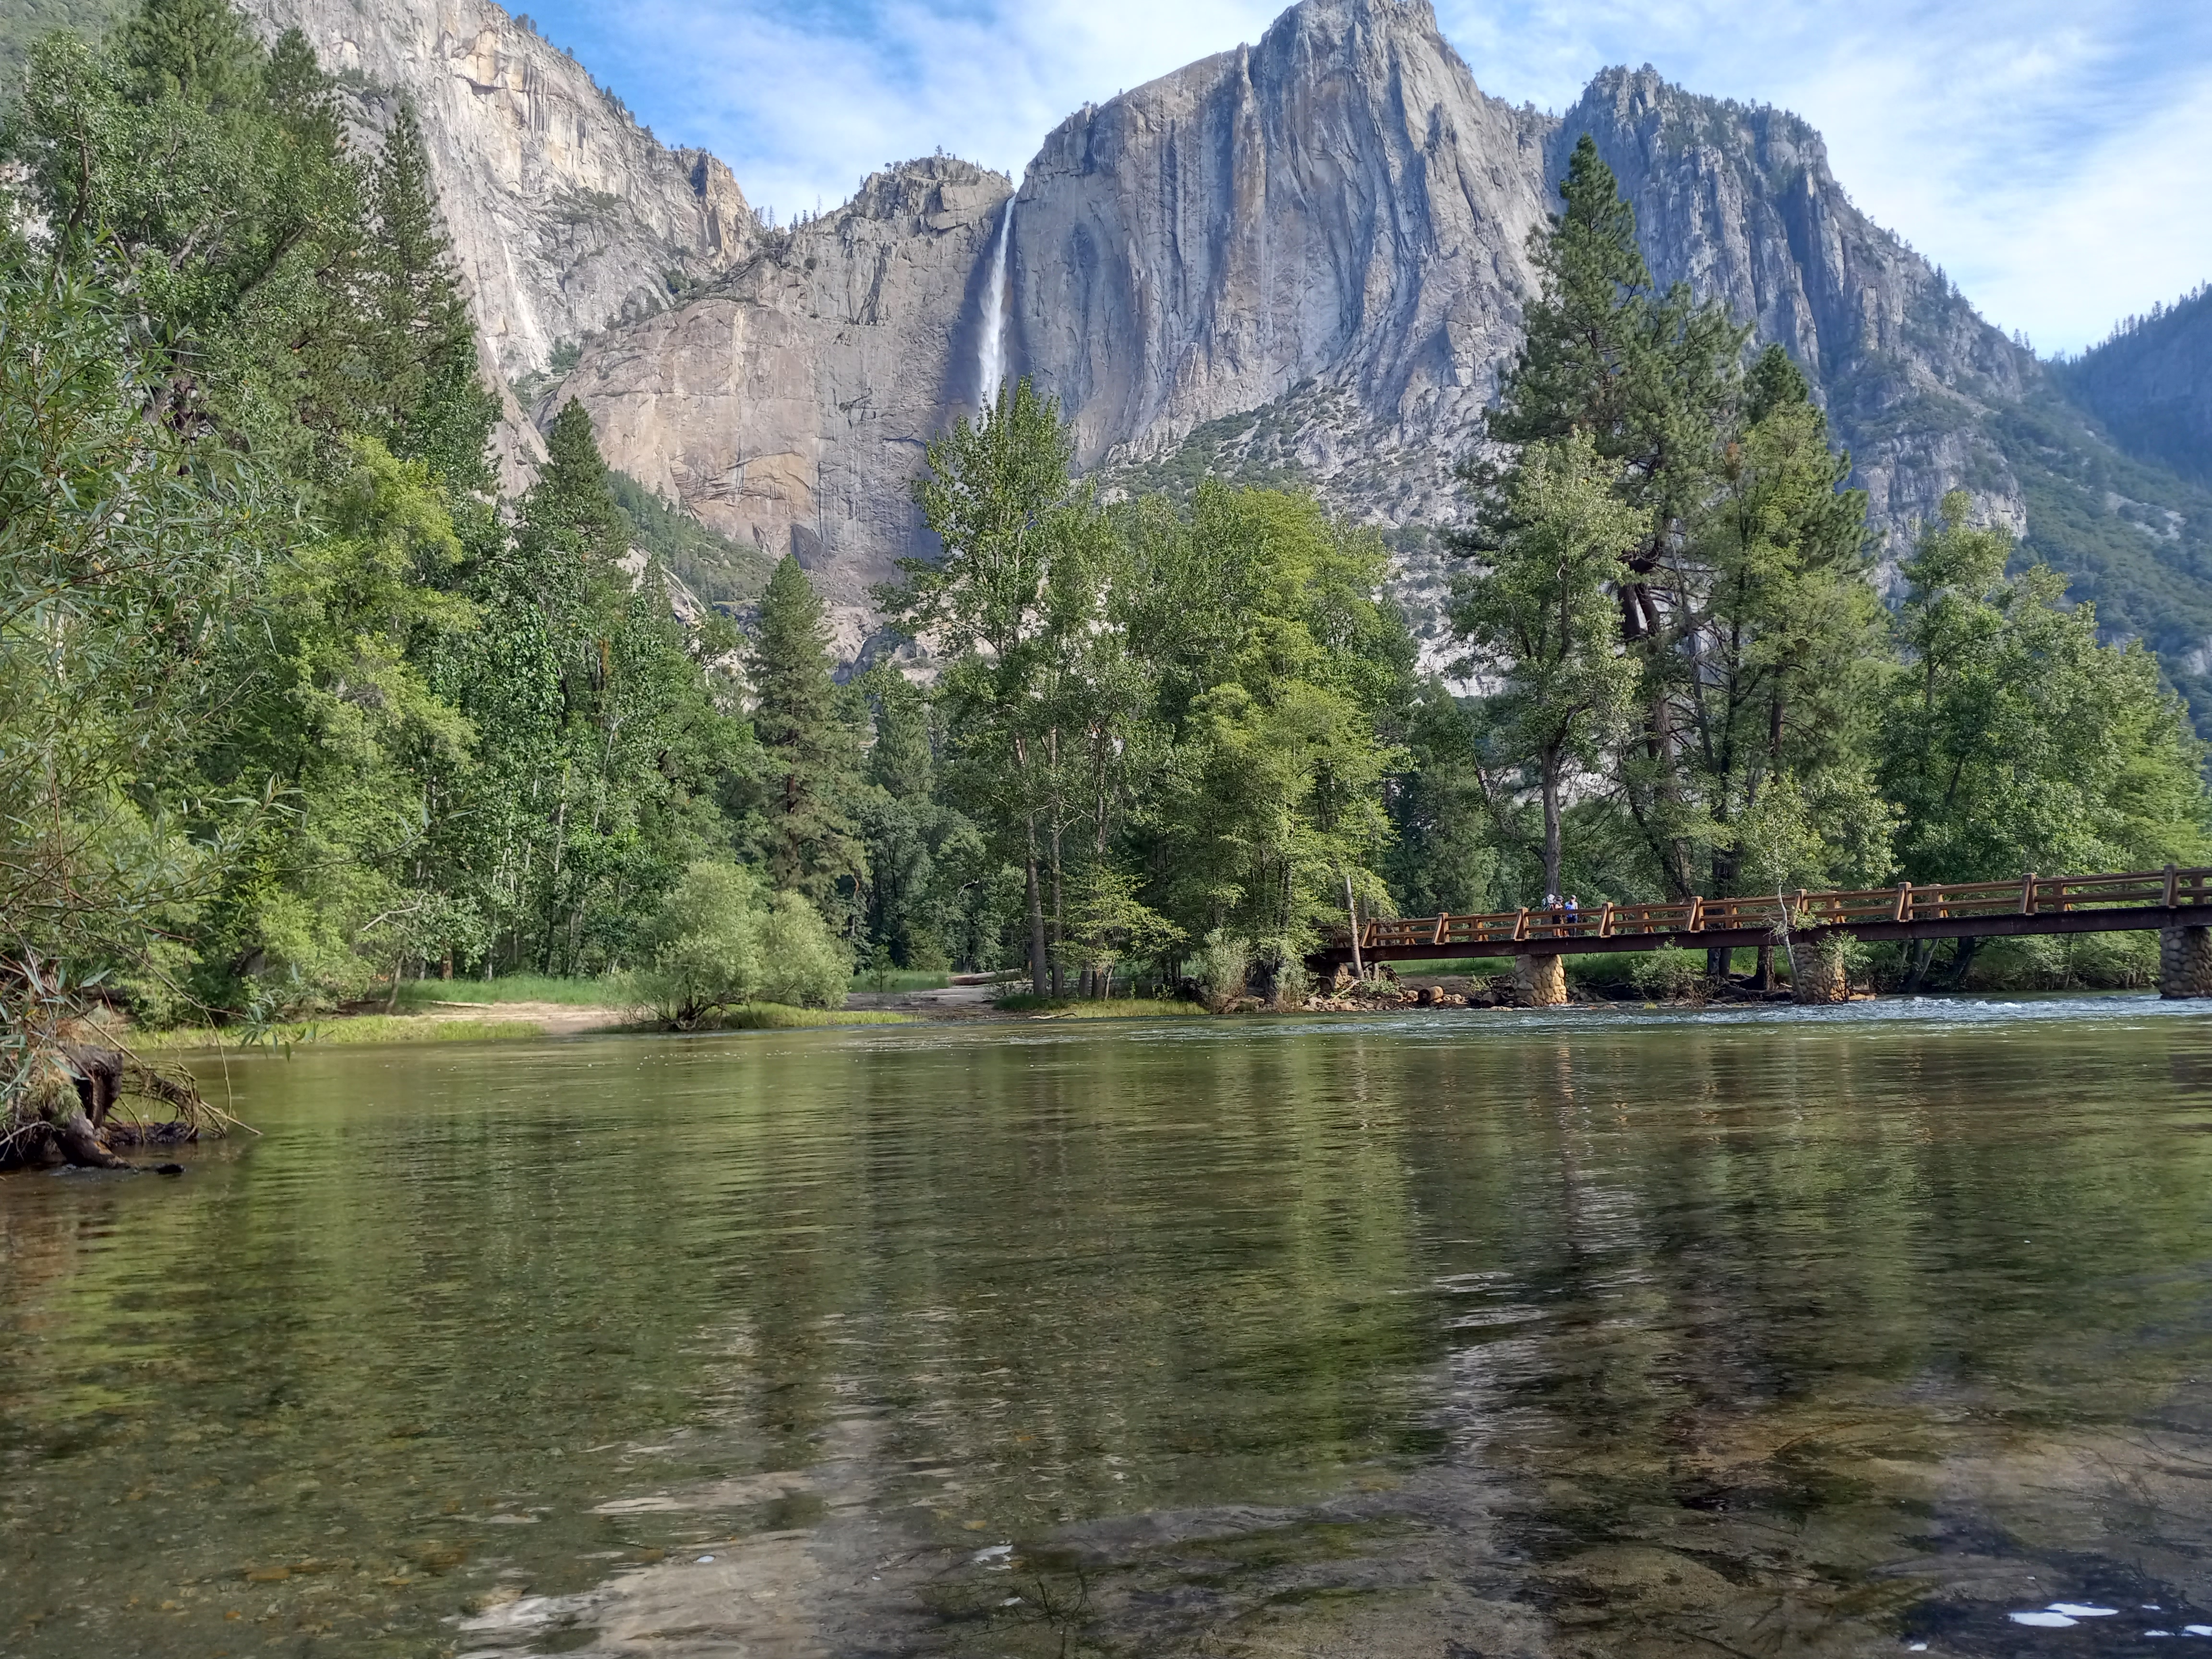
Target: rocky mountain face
(567, 218)
(2151, 384)
(1303, 259)
(1739, 203)
(787, 404)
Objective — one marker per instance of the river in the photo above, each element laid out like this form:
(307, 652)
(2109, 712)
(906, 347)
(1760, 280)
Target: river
(1585, 1332)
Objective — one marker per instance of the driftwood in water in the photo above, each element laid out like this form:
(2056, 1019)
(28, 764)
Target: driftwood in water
(70, 1114)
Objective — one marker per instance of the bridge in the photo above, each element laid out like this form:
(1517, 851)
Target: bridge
(2177, 902)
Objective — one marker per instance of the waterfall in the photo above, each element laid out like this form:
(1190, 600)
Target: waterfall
(991, 356)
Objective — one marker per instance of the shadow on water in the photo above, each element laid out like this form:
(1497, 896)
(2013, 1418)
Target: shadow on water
(1582, 1333)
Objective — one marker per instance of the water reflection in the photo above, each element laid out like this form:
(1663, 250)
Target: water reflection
(1560, 1333)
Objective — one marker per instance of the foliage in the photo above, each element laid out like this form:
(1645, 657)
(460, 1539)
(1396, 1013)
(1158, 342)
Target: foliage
(809, 749)
(130, 562)
(803, 965)
(1707, 695)
(2015, 741)
(1539, 621)
(718, 570)
(1667, 973)
(721, 940)
(1220, 966)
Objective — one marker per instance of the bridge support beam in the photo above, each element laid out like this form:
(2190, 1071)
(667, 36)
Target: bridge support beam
(1541, 980)
(2184, 962)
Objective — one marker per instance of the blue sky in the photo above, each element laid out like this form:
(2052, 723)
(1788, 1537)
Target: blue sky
(2054, 156)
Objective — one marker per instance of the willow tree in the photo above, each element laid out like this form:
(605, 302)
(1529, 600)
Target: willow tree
(130, 561)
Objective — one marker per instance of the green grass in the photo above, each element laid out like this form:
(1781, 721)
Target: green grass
(1467, 967)
(1079, 1008)
(778, 1017)
(345, 1029)
(514, 987)
(901, 979)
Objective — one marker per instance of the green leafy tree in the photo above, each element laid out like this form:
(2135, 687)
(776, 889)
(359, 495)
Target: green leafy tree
(1539, 622)
(217, 174)
(929, 882)
(2013, 740)
(130, 566)
(997, 495)
(1784, 671)
(719, 939)
(344, 723)
(1279, 667)
(1651, 380)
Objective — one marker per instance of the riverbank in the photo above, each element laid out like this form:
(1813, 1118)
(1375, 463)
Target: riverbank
(488, 1023)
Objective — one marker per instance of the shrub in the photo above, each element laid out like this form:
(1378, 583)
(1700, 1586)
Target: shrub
(707, 954)
(803, 964)
(720, 941)
(1220, 967)
(1669, 972)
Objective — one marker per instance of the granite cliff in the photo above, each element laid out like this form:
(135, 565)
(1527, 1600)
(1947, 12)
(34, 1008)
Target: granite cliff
(2151, 384)
(1304, 257)
(568, 217)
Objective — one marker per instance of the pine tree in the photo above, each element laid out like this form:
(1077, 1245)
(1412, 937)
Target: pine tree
(422, 352)
(197, 50)
(569, 542)
(809, 755)
(1652, 380)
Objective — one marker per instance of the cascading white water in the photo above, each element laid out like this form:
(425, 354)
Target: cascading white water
(991, 356)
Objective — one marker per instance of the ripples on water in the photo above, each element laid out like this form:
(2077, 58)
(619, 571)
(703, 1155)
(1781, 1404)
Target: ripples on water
(1868, 1330)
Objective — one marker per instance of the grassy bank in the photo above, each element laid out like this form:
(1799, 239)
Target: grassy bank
(514, 988)
(411, 1028)
(780, 1017)
(1080, 1008)
(867, 983)
(338, 1029)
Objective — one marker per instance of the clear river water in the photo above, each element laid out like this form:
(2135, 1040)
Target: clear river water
(1863, 1331)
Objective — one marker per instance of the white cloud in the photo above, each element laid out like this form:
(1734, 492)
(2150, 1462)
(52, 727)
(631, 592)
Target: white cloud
(2055, 159)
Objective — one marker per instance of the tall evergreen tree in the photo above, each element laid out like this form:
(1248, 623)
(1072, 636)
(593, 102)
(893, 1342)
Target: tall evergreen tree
(421, 360)
(1651, 378)
(200, 50)
(809, 754)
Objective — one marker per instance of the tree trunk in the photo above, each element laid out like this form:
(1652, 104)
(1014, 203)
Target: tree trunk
(1962, 960)
(1762, 976)
(1924, 951)
(1059, 922)
(1351, 915)
(1036, 921)
(1553, 858)
(1720, 963)
(80, 1145)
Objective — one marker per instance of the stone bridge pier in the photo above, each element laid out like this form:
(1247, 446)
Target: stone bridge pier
(2184, 962)
(1541, 980)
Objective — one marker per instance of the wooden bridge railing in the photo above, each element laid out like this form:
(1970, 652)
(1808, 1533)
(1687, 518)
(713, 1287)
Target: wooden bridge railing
(2026, 897)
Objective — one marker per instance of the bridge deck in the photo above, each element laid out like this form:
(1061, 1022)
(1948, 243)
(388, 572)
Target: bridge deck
(2136, 901)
